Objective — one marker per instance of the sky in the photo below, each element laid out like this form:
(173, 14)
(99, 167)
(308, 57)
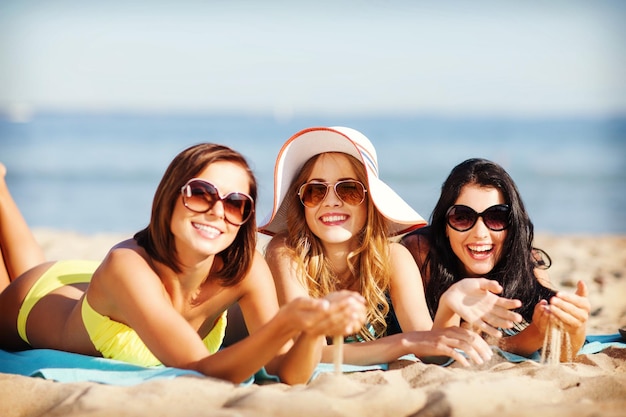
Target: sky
(525, 58)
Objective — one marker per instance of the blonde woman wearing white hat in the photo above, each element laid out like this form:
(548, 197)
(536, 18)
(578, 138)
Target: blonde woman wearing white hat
(331, 224)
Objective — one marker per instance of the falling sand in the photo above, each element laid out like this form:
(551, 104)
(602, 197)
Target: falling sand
(557, 346)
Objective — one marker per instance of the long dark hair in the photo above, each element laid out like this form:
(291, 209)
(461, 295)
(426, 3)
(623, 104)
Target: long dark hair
(158, 240)
(515, 270)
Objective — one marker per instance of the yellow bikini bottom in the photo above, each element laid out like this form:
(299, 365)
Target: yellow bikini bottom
(112, 339)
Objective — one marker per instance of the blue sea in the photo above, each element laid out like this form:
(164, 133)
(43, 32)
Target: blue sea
(95, 173)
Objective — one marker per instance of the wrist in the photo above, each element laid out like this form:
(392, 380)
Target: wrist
(445, 316)
(534, 331)
(408, 342)
(286, 325)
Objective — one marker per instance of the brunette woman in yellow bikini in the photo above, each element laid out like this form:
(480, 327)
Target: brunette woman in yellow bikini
(161, 297)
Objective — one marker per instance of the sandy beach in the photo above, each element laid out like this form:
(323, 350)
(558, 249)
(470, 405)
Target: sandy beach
(592, 385)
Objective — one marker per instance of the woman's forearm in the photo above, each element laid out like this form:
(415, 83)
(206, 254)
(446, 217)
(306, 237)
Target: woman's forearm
(241, 360)
(297, 365)
(531, 339)
(383, 350)
(445, 317)
(525, 343)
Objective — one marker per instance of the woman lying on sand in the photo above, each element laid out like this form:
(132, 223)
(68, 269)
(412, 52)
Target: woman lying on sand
(161, 296)
(332, 222)
(480, 228)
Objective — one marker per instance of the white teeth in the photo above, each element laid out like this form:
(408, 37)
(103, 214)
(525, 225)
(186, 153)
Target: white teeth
(332, 219)
(210, 231)
(480, 248)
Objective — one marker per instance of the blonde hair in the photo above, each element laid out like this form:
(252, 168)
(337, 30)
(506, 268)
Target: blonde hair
(369, 263)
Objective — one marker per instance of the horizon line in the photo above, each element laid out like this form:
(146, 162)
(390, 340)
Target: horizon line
(26, 113)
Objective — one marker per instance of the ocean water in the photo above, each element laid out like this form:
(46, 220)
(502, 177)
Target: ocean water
(95, 173)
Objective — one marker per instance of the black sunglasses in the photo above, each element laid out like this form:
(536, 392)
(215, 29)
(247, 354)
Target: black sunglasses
(462, 218)
(200, 196)
(349, 191)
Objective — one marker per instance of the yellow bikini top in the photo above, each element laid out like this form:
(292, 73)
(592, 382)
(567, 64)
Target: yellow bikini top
(115, 340)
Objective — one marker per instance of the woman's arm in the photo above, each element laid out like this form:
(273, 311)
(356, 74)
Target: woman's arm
(345, 315)
(339, 313)
(290, 288)
(284, 271)
(475, 300)
(569, 312)
(129, 291)
(437, 342)
(572, 313)
(407, 291)
(421, 343)
(259, 306)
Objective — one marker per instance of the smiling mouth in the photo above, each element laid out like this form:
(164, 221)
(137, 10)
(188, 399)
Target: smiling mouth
(208, 231)
(481, 250)
(335, 218)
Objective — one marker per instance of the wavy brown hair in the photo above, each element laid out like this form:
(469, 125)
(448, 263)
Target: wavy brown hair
(158, 240)
(369, 263)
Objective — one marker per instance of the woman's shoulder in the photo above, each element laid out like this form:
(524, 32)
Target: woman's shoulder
(125, 270)
(126, 251)
(125, 259)
(277, 247)
(257, 277)
(258, 261)
(418, 243)
(397, 249)
(422, 232)
(278, 240)
(417, 240)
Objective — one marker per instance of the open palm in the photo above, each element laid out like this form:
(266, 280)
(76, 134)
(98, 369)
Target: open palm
(476, 301)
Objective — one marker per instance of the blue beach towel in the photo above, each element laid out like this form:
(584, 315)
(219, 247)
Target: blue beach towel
(593, 344)
(599, 342)
(73, 367)
(62, 366)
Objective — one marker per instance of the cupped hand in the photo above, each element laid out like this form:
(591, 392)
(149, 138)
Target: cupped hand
(571, 311)
(476, 301)
(541, 317)
(339, 313)
(346, 314)
(449, 342)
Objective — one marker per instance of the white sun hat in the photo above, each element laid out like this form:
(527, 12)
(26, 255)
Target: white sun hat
(401, 218)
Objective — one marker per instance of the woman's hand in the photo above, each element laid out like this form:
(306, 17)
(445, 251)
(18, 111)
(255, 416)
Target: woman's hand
(571, 311)
(339, 313)
(476, 301)
(346, 314)
(445, 342)
(540, 320)
(566, 311)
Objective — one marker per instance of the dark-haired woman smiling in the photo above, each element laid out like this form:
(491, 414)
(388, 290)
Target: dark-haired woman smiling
(480, 229)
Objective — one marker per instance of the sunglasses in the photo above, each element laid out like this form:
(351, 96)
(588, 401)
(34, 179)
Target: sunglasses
(200, 196)
(462, 218)
(349, 191)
